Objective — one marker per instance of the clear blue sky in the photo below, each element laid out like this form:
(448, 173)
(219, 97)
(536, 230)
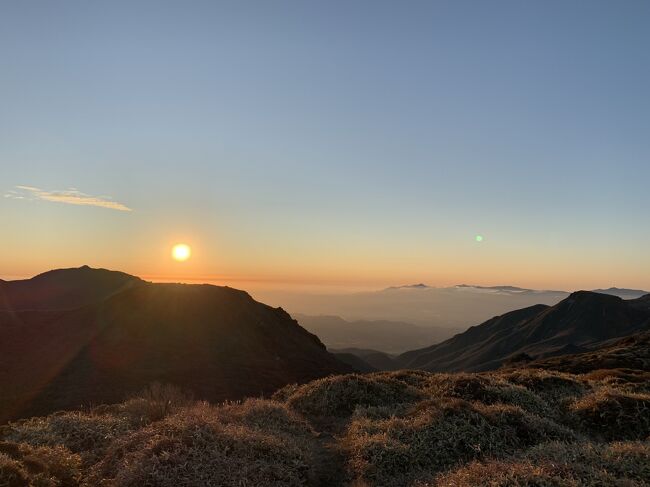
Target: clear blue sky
(335, 140)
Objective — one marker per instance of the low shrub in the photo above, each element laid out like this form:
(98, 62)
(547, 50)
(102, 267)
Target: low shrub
(263, 415)
(500, 474)
(549, 385)
(340, 395)
(629, 380)
(439, 434)
(586, 460)
(12, 473)
(204, 445)
(610, 414)
(85, 433)
(25, 465)
(415, 378)
(488, 389)
(558, 464)
(155, 402)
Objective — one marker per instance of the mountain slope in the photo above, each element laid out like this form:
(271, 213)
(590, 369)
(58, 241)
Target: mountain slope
(375, 359)
(216, 341)
(630, 353)
(582, 320)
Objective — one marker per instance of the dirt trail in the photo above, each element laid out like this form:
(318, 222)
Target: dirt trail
(329, 468)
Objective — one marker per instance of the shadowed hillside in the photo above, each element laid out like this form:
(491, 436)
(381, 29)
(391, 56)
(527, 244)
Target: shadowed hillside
(215, 341)
(630, 353)
(582, 321)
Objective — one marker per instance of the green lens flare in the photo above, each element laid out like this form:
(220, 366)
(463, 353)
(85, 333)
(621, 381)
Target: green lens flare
(479, 238)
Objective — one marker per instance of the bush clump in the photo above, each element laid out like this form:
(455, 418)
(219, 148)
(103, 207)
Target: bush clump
(549, 385)
(88, 434)
(25, 465)
(154, 403)
(263, 415)
(625, 379)
(611, 414)
(340, 395)
(205, 445)
(488, 389)
(497, 473)
(439, 434)
(416, 378)
(559, 464)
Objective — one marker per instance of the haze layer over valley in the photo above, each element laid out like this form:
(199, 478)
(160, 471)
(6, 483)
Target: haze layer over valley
(402, 318)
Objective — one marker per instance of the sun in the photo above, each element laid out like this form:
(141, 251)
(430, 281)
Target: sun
(181, 252)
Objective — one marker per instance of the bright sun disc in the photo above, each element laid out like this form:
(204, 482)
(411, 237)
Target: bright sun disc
(181, 252)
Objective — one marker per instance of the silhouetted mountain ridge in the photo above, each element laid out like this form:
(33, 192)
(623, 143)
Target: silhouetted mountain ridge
(584, 319)
(64, 288)
(215, 341)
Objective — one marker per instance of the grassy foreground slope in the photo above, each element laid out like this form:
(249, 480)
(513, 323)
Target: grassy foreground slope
(405, 428)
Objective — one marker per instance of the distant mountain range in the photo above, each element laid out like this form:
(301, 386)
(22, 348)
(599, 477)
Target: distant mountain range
(507, 289)
(614, 291)
(448, 308)
(582, 321)
(73, 336)
(622, 293)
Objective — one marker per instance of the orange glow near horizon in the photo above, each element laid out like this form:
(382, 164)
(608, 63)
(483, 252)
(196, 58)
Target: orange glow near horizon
(339, 265)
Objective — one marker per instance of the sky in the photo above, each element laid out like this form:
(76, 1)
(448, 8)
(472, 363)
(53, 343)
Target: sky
(339, 143)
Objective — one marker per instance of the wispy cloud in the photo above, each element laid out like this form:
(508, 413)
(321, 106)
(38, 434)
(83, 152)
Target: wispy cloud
(70, 196)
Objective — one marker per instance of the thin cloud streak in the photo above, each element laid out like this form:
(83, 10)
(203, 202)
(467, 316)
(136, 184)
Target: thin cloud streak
(70, 197)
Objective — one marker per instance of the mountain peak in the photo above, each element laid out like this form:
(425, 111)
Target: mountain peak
(65, 288)
(592, 296)
(82, 270)
(409, 286)
(512, 290)
(622, 292)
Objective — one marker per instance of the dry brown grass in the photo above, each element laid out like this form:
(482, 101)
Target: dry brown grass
(254, 443)
(22, 465)
(610, 414)
(548, 385)
(438, 434)
(88, 434)
(341, 395)
(156, 402)
(509, 428)
(488, 389)
(558, 464)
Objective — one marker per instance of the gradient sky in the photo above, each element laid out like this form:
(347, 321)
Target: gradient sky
(342, 142)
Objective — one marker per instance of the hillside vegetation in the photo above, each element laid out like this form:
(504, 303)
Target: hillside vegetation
(406, 428)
